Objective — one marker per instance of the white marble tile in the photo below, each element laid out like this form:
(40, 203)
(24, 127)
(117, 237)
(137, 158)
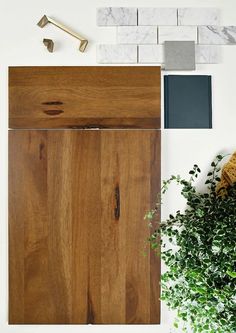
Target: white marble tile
(217, 35)
(157, 16)
(114, 16)
(117, 54)
(137, 35)
(198, 16)
(207, 54)
(148, 54)
(185, 33)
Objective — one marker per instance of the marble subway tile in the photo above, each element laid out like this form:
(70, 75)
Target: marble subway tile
(217, 35)
(137, 35)
(207, 54)
(148, 54)
(169, 33)
(117, 54)
(198, 16)
(115, 16)
(157, 16)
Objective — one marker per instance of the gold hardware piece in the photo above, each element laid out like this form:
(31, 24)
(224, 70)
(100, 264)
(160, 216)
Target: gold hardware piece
(49, 44)
(45, 20)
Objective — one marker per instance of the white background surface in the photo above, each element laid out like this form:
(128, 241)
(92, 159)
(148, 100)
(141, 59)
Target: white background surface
(21, 44)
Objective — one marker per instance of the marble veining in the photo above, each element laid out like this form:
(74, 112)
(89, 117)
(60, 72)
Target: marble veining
(114, 16)
(225, 35)
(198, 16)
(157, 16)
(151, 54)
(182, 33)
(137, 35)
(116, 54)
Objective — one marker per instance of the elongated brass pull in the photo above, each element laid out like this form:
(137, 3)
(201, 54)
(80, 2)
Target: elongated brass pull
(117, 203)
(46, 19)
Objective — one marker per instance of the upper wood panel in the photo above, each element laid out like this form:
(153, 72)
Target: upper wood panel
(84, 97)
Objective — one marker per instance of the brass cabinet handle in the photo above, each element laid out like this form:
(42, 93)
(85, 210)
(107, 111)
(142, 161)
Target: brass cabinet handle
(46, 19)
(49, 44)
(117, 203)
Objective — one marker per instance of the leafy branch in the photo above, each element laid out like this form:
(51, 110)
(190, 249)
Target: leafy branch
(198, 248)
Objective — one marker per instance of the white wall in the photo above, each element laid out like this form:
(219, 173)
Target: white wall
(20, 44)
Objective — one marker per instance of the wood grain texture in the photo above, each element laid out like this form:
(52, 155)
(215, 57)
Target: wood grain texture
(73, 260)
(84, 97)
(155, 261)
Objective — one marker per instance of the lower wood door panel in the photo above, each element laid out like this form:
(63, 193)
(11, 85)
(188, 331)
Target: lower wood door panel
(76, 231)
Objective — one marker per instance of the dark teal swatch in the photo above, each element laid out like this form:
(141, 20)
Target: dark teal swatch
(188, 101)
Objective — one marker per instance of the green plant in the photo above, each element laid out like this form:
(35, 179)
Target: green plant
(198, 248)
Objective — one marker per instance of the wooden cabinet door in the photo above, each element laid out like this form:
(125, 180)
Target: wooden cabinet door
(77, 199)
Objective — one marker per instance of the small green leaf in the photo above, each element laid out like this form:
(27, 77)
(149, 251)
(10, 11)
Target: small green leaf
(176, 324)
(149, 216)
(231, 274)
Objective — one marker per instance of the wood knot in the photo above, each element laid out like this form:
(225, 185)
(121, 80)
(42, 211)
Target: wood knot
(53, 112)
(117, 203)
(41, 149)
(52, 103)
